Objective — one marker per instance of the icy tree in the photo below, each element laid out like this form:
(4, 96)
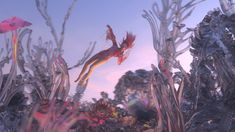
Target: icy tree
(42, 75)
(169, 34)
(59, 69)
(168, 28)
(205, 99)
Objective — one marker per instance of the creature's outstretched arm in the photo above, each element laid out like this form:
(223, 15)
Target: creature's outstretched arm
(122, 57)
(110, 35)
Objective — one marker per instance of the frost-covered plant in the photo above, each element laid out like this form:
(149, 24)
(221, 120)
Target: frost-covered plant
(42, 72)
(169, 33)
(59, 69)
(167, 25)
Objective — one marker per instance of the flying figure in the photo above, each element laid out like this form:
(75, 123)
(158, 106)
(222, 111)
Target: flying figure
(102, 57)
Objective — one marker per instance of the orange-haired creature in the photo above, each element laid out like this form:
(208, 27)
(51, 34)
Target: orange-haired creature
(103, 56)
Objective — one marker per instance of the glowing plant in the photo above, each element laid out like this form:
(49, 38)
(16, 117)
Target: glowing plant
(12, 24)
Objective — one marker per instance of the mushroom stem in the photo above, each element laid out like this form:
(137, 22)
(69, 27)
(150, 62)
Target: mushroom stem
(14, 46)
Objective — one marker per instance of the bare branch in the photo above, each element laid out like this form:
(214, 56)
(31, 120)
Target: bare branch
(177, 65)
(7, 46)
(20, 58)
(86, 55)
(180, 91)
(60, 84)
(186, 15)
(165, 5)
(8, 83)
(166, 25)
(155, 30)
(42, 8)
(69, 11)
(1, 79)
(156, 10)
(181, 37)
(1, 52)
(182, 50)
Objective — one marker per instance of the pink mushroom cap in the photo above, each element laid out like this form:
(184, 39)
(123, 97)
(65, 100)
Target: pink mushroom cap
(12, 24)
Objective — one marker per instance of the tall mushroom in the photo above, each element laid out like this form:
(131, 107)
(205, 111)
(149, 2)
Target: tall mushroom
(12, 24)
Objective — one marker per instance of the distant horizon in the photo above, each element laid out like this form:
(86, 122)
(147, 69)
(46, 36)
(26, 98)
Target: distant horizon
(88, 24)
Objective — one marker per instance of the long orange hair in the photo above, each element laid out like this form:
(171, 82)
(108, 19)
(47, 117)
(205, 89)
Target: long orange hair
(128, 41)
